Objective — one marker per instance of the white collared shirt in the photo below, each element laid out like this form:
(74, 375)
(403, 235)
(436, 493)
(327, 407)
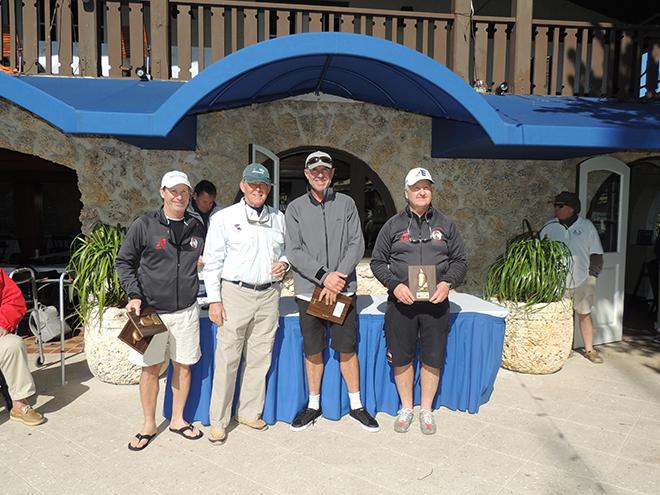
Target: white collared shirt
(582, 239)
(242, 245)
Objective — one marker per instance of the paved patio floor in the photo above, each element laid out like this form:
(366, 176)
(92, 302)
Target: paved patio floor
(586, 429)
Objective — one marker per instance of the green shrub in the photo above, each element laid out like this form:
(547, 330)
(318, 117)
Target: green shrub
(96, 282)
(531, 270)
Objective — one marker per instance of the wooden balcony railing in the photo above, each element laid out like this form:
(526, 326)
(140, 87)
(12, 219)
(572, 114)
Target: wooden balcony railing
(176, 39)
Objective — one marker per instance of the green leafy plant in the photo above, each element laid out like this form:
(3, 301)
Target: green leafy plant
(531, 270)
(96, 282)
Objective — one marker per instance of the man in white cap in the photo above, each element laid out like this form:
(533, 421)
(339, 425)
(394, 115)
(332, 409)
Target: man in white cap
(157, 268)
(244, 266)
(419, 235)
(324, 244)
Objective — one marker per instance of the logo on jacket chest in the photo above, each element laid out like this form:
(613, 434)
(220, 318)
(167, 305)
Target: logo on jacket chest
(161, 243)
(194, 242)
(436, 234)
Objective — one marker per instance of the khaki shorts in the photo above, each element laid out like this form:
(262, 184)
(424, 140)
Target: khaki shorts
(180, 343)
(584, 296)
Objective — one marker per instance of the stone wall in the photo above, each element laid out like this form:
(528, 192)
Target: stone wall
(487, 198)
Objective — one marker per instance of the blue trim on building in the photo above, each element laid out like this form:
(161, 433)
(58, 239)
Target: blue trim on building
(363, 68)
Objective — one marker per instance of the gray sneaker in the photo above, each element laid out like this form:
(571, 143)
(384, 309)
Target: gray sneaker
(427, 422)
(403, 420)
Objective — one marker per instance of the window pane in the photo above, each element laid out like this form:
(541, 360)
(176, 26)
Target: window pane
(603, 191)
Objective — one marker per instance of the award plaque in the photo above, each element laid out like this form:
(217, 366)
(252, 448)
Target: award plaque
(421, 281)
(139, 330)
(335, 313)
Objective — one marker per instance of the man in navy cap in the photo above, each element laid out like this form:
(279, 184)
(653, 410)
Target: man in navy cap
(244, 265)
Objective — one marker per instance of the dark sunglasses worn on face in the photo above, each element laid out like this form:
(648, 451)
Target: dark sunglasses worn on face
(560, 205)
(316, 159)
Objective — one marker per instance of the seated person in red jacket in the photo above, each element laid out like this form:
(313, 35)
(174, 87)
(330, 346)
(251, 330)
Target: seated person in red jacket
(13, 356)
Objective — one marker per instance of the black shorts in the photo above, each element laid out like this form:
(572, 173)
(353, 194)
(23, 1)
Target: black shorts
(342, 337)
(406, 324)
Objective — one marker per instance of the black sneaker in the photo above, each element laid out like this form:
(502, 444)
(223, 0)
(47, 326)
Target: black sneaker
(366, 420)
(305, 418)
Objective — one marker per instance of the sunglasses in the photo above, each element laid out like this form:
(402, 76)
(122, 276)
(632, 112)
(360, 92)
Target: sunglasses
(316, 159)
(560, 205)
(420, 240)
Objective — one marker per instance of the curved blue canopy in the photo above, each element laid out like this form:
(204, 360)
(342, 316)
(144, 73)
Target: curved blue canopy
(357, 67)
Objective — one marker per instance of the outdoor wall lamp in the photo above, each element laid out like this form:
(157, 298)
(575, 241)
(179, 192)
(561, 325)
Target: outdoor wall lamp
(503, 88)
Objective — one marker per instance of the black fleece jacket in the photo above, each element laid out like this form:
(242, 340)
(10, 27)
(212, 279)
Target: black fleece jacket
(440, 245)
(154, 267)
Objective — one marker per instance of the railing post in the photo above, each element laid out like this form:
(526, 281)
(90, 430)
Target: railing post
(160, 49)
(460, 39)
(30, 40)
(89, 47)
(521, 47)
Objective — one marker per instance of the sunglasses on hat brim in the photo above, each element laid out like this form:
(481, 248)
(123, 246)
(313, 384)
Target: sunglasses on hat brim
(316, 159)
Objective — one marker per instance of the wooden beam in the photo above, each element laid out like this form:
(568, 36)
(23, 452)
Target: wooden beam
(521, 46)
(460, 38)
(88, 44)
(159, 40)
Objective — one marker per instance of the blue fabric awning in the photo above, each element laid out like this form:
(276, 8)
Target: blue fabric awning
(363, 68)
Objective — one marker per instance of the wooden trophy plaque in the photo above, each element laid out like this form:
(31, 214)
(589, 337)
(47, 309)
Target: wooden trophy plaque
(139, 330)
(335, 313)
(421, 281)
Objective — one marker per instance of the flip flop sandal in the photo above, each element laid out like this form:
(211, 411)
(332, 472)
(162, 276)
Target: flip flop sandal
(182, 432)
(141, 437)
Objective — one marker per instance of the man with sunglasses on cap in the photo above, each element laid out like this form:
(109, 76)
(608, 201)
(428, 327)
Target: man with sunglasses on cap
(157, 268)
(244, 265)
(419, 235)
(582, 238)
(324, 244)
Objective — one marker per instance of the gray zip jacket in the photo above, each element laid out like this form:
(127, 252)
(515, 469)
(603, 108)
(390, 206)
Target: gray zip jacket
(322, 238)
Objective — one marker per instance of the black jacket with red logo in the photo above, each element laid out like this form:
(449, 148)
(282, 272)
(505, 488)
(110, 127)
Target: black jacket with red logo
(407, 239)
(154, 268)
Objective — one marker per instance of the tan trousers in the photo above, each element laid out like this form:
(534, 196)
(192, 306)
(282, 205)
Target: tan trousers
(14, 366)
(248, 332)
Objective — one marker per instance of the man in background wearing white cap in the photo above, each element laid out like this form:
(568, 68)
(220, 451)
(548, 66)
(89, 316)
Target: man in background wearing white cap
(244, 264)
(324, 244)
(419, 235)
(157, 267)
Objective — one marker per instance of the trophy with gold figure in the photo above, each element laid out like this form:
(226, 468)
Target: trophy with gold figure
(421, 280)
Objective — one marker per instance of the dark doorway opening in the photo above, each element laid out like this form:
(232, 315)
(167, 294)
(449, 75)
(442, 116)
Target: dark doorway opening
(40, 211)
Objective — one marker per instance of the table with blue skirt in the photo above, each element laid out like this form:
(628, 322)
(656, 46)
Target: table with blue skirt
(473, 357)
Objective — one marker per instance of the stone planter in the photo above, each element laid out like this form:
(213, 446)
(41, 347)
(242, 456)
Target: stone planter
(538, 339)
(107, 356)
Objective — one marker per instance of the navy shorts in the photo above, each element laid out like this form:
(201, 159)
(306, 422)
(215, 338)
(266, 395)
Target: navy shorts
(342, 337)
(406, 324)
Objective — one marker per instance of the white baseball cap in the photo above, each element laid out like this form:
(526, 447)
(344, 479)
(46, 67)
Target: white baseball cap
(173, 178)
(417, 174)
(318, 159)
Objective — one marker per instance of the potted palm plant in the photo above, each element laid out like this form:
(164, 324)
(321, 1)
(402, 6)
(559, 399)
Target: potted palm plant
(529, 279)
(100, 301)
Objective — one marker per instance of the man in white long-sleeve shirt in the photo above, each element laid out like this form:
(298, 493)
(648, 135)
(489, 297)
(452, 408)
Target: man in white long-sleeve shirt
(244, 265)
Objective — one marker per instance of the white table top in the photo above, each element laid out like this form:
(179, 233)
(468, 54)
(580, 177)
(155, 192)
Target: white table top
(376, 305)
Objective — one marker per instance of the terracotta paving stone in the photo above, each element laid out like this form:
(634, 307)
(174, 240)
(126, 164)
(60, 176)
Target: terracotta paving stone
(71, 345)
